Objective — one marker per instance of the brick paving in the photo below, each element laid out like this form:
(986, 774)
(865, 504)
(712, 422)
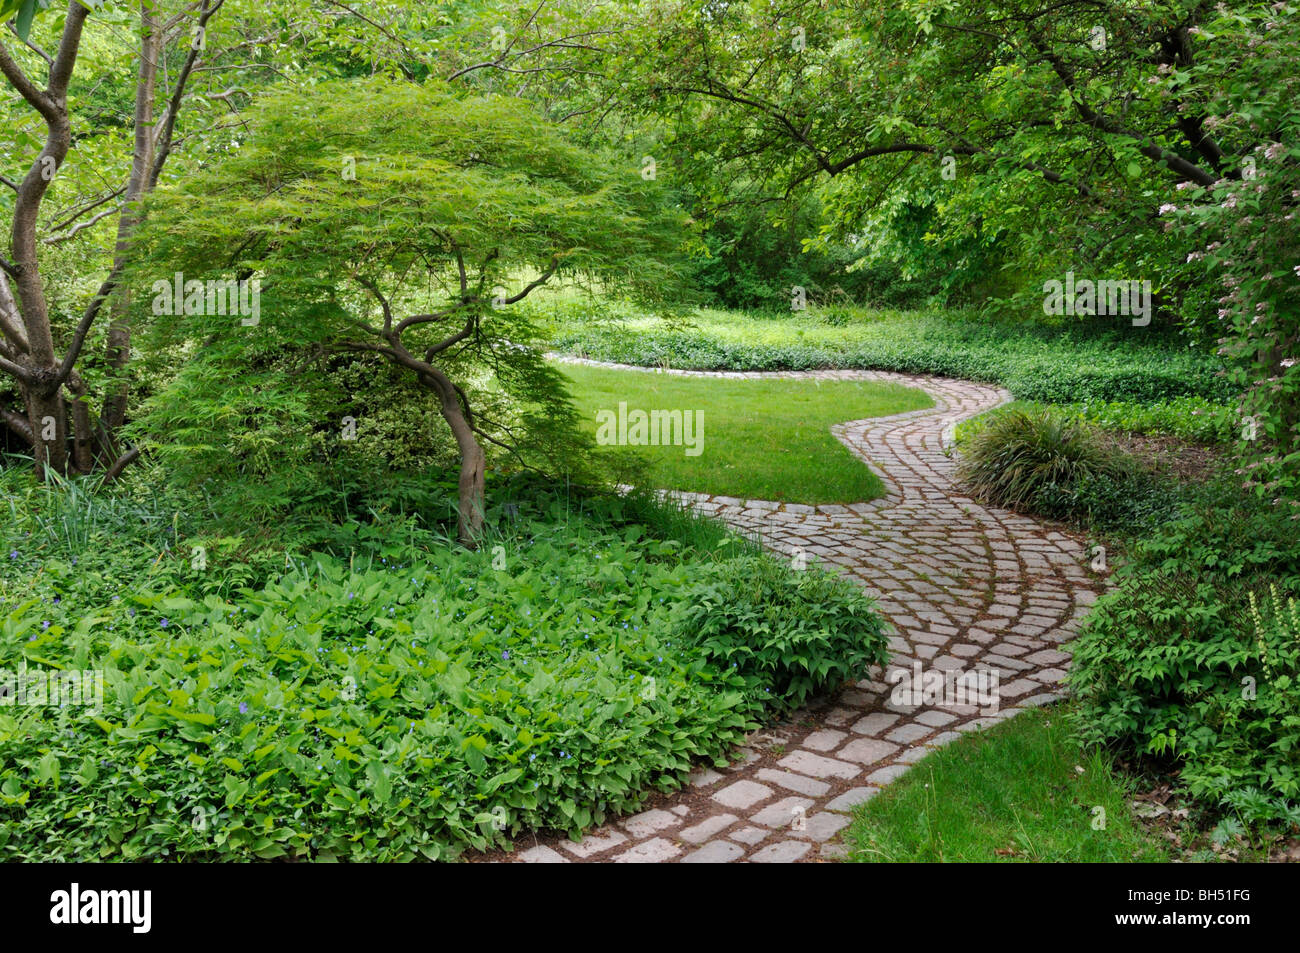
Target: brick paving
(965, 587)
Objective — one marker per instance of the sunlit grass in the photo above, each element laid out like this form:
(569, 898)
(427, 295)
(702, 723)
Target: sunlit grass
(761, 439)
(1020, 791)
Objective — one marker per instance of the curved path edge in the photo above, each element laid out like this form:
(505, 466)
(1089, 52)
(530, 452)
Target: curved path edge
(978, 592)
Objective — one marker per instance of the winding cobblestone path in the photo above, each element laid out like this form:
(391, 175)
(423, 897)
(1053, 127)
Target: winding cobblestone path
(965, 587)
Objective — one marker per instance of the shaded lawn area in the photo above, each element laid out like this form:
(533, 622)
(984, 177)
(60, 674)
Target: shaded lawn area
(1011, 793)
(757, 439)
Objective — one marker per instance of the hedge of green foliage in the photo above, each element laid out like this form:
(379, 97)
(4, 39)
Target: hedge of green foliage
(394, 697)
(1195, 657)
(1035, 361)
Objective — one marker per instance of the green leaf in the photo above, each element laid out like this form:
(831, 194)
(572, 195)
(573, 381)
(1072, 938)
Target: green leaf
(23, 25)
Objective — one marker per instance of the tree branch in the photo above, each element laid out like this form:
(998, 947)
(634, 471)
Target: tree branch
(167, 127)
(49, 60)
(89, 207)
(121, 464)
(87, 319)
(18, 424)
(26, 88)
(71, 233)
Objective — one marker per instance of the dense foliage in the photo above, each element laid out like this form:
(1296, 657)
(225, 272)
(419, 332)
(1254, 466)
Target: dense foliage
(1193, 659)
(1034, 361)
(388, 696)
(1039, 460)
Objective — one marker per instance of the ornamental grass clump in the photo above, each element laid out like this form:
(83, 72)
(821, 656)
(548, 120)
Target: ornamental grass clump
(1026, 460)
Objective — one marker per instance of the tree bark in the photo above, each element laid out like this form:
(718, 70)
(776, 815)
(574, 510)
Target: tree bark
(82, 459)
(471, 499)
(118, 346)
(41, 377)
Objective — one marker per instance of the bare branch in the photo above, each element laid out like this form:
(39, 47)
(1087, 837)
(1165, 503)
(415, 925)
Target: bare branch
(168, 125)
(49, 60)
(87, 319)
(26, 88)
(121, 464)
(534, 284)
(66, 58)
(71, 233)
(17, 370)
(11, 323)
(88, 208)
(383, 303)
(18, 424)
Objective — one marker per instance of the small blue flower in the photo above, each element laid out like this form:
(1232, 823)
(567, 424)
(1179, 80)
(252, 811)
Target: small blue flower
(506, 655)
(13, 554)
(164, 622)
(243, 708)
(45, 625)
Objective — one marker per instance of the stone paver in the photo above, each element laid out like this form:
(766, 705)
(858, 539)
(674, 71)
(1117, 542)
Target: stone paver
(654, 851)
(648, 822)
(783, 852)
(715, 852)
(783, 813)
(852, 798)
(742, 794)
(707, 828)
(971, 592)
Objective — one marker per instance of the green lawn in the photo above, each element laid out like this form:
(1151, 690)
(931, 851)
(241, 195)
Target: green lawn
(766, 440)
(1014, 792)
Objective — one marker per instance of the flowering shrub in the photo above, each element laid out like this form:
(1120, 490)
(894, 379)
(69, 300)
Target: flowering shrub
(1246, 225)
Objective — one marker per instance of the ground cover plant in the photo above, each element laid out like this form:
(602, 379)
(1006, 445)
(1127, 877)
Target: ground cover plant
(766, 440)
(388, 697)
(1101, 360)
(1191, 662)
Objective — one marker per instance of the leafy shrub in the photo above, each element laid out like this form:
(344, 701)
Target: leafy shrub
(1194, 657)
(793, 634)
(1040, 460)
(1244, 228)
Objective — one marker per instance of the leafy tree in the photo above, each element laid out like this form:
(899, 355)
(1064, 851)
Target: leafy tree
(1048, 134)
(404, 221)
(29, 352)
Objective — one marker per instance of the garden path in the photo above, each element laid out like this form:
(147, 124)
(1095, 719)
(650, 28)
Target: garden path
(966, 588)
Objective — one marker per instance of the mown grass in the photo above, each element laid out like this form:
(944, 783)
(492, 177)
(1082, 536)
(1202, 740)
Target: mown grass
(1021, 791)
(766, 439)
